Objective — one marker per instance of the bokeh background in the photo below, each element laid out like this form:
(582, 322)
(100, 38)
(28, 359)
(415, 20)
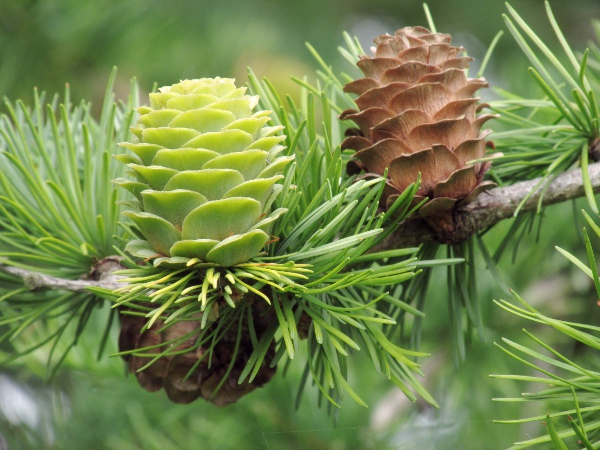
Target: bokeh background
(46, 43)
(90, 404)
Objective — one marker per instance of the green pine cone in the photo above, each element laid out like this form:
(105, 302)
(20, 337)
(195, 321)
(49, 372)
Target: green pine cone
(206, 172)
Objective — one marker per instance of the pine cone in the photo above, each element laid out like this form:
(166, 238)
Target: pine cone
(418, 114)
(206, 173)
(171, 371)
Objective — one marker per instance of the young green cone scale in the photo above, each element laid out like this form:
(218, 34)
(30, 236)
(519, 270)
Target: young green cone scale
(418, 115)
(205, 174)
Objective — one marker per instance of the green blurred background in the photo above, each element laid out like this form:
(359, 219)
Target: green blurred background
(46, 43)
(93, 405)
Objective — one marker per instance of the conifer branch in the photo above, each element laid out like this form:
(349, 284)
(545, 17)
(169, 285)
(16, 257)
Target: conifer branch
(35, 280)
(485, 211)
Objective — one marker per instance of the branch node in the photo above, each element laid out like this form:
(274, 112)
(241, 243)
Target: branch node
(34, 281)
(451, 227)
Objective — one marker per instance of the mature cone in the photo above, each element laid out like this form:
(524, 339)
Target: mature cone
(418, 114)
(206, 173)
(171, 372)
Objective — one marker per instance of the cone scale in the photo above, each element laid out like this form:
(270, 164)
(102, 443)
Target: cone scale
(188, 376)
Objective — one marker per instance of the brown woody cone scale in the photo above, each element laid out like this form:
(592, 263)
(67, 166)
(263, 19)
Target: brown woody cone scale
(170, 372)
(418, 114)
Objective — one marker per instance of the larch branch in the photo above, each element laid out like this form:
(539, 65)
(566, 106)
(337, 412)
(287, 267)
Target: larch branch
(35, 280)
(486, 210)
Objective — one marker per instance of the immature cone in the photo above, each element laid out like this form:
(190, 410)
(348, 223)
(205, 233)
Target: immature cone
(205, 176)
(418, 114)
(174, 373)
(205, 173)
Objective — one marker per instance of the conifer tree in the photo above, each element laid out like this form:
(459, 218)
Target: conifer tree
(218, 236)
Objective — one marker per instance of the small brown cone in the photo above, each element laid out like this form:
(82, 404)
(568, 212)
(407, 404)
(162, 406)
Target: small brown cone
(170, 372)
(418, 114)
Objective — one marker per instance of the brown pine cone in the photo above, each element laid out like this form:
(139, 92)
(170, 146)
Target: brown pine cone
(418, 114)
(170, 371)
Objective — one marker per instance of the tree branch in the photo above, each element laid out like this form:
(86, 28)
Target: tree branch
(103, 272)
(495, 205)
(486, 210)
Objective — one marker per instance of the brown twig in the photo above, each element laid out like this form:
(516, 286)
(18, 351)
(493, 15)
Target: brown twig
(495, 205)
(34, 280)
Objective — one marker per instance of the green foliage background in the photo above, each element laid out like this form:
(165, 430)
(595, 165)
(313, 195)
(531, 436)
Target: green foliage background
(46, 43)
(93, 405)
